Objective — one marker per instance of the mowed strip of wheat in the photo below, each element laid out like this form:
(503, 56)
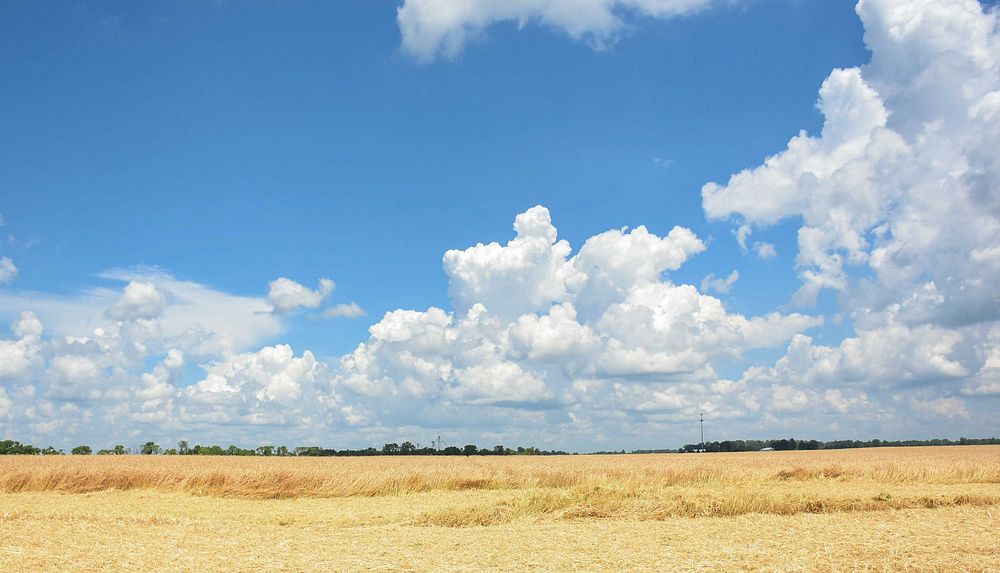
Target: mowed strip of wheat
(920, 509)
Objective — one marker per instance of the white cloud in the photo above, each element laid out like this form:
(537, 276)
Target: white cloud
(139, 300)
(790, 399)
(174, 359)
(7, 270)
(61, 385)
(75, 368)
(898, 202)
(519, 339)
(936, 408)
(843, 402)
(433, 28)
(987, 380)
(613, 262)
(764, 250)
(27, 325)
(346, 310)
(899, 182)
(528, 274)
(499, 383)
(5, 403)
(268, 387)
(100, 344)
(895, 356)
(197, 318)
(19, 357)
(286, 295)
(720, 285)
(552, 337)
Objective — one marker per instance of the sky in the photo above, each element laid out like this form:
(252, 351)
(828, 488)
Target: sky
(569, 224)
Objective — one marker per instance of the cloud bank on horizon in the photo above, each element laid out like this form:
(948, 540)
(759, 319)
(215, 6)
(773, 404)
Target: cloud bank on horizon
(897, 203)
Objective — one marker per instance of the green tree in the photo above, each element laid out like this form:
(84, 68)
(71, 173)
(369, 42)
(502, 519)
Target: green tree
(119, 450)
(150, 448)
(282, 451)
(407, 448)
(8, 447)
(182, 448)
(265, 451)
(470, 450)
(81, 451)
(392, 448)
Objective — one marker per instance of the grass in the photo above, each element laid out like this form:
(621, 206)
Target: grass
(934, 509)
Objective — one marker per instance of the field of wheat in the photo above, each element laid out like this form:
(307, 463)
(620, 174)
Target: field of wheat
(887, 509)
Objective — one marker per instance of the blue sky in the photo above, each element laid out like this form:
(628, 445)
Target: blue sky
(230, 144)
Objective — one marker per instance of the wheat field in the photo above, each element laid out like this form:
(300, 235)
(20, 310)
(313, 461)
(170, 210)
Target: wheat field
(886, 509)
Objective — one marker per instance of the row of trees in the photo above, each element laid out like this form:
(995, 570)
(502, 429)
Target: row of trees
(409, 449)
(10, 447)
(793, 444)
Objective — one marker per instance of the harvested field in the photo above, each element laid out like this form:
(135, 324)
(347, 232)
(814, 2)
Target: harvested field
(911, 509)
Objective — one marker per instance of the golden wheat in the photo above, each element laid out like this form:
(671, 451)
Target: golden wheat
(180, 502)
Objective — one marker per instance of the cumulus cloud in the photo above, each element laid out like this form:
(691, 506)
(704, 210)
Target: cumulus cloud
(897, 187)
(21, 356)
(987, 380)
(139, 300)
(537, 327)
(7, 270)
(268, 387)
(286, 295)
(898, 201)
(27, 325)
(886, 358)
(346, 310)
(442, 28)
(119, 357)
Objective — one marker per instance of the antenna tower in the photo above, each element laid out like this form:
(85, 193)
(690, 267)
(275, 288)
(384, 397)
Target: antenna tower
(701, 422)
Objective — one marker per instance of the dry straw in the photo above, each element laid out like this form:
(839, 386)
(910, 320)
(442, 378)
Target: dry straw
(570, 487)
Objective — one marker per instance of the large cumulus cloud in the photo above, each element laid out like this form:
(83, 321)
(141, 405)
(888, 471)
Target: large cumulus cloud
(898, 202)
(536, 327)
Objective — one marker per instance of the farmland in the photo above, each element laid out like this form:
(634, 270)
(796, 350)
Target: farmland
(913, 509)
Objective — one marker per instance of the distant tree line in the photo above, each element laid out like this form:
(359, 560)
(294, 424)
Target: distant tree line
(793, 444)
(409, 449)
(10, 447)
